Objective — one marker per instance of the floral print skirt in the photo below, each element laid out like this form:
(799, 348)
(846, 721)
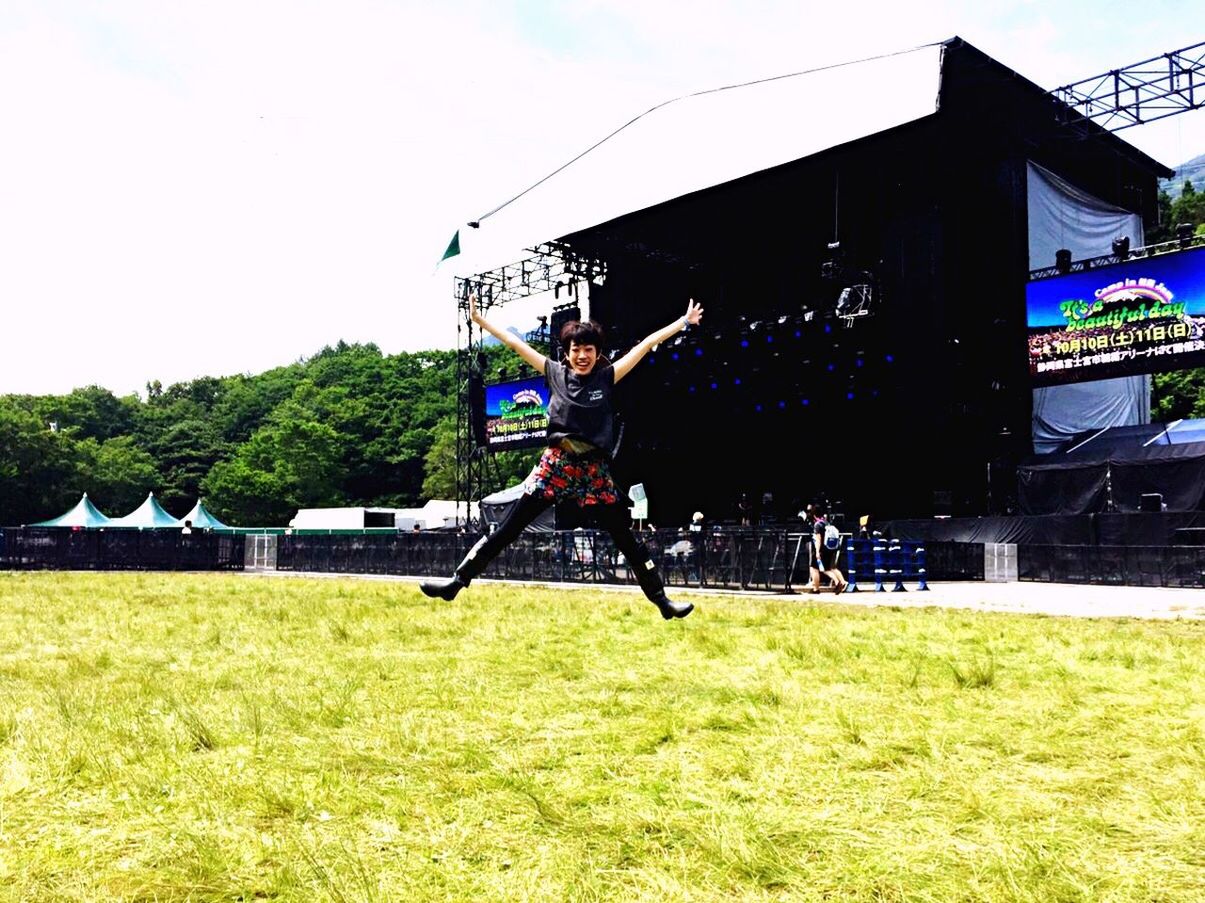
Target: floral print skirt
(563, 476)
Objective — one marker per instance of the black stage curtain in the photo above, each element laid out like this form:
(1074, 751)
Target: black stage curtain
(1049, 529)
(1062, 488)
(1138, 529)
(1177, 472)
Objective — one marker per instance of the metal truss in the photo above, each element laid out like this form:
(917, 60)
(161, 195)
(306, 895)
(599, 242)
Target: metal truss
(550, 267)
(1154, 89)
(1093, 263)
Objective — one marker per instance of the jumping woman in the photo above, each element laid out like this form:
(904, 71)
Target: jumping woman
(576, 464)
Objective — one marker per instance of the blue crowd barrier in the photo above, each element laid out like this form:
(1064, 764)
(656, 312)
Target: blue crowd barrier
(884, 561)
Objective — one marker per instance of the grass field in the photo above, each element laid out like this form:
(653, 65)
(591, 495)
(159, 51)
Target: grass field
(181, 737)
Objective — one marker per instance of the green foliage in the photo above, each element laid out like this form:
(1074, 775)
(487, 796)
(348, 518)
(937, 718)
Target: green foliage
(1178, 395)
(39, 468)
(440, 465)
(348, 426)
(1189, 207)
(117, 473)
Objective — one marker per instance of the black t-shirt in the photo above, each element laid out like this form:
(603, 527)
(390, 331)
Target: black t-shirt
(580, 406)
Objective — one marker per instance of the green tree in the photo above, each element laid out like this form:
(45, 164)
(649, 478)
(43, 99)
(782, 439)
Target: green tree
(183, 454)
(293, 462)
(505, 469)
(117, 473)
(39, 473)
(1179, 395)
(440, 462)
(89, 412)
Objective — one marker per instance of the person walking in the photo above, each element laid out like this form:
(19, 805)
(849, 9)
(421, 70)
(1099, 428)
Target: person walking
(575, 465)
(826, 541)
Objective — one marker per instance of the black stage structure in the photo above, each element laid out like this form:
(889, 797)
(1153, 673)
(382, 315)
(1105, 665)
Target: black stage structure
(864, 332)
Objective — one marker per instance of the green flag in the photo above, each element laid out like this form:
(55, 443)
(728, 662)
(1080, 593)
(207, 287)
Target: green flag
(453, 247)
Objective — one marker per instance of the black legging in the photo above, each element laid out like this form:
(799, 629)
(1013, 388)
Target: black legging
(615, 519)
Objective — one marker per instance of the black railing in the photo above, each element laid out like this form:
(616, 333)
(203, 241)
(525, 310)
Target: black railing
(721, 558)
(1172, 566)
(735, 559)
(954, 561)
(31, 548)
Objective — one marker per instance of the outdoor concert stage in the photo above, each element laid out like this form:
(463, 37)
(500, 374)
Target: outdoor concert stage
(913, 399)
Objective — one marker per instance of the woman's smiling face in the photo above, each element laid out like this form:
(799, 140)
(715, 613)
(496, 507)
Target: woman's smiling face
(582, 358)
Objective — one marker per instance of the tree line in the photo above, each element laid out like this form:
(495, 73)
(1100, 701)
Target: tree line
(348, 426)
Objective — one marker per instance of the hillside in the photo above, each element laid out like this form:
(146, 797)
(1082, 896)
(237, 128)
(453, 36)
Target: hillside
(1192, 171)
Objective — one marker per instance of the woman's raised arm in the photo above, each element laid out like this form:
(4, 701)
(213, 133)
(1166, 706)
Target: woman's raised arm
(694, 313)
(509, 339)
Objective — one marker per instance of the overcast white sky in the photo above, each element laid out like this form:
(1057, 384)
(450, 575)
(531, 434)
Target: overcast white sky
(207, 188)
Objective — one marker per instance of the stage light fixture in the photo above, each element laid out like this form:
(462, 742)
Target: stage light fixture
(698, 352)
(1121, 247)
(1184, 233)
(744, 343)
(736, 381)
(1062, 260)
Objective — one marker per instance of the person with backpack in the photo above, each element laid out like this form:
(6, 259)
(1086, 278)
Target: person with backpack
(826, 541)
(576, 465)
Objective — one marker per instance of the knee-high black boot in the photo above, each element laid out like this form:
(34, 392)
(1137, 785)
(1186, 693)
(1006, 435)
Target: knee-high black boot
(486, 549)
(617, 523)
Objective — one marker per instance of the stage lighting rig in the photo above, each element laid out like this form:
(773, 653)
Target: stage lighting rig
(834, 267)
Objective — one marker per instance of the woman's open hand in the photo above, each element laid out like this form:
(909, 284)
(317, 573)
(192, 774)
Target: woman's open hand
(473, 314)
(694, 313)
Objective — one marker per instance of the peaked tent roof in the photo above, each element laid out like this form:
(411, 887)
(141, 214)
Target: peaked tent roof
(149, 514)
(84, 514)
(201, 517)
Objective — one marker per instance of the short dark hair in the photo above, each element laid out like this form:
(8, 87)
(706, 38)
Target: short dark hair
(582, 332)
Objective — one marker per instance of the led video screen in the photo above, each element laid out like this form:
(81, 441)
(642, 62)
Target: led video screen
(1141, 316)
(516, 414)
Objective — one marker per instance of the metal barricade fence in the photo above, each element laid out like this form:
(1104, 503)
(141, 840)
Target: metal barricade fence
(56, 548)
(1169, 566)
(742, 559)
